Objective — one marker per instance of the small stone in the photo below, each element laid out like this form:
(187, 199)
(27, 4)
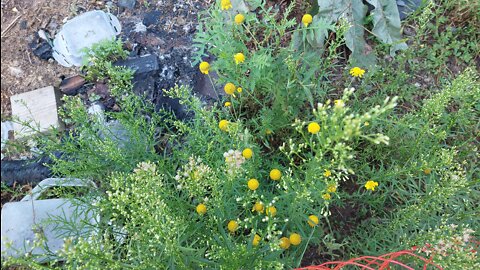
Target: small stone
(96, 110)
(23, 24)
(152, 18)
(16, 72)
(140, 28)
(130, 4)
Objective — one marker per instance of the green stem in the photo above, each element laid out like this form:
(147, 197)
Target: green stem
(213, 85)
(305, 248)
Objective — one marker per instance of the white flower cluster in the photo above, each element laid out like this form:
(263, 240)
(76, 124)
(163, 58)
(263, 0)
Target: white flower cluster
(451, 244)
(193, 176)
(234, 160)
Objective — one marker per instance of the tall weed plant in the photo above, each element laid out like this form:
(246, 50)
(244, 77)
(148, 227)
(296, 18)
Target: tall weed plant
(251, 181)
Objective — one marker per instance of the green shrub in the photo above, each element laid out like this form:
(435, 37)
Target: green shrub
(269, 161)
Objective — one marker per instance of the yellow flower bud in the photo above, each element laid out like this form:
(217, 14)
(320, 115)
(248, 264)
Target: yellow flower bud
(239, 19)
(313, 127)
(307, 19)
(229, 88)
(204, 67)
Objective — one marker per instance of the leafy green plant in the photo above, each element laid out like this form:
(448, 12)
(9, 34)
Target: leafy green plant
(427, 178)
(384, 17)
(267, 173)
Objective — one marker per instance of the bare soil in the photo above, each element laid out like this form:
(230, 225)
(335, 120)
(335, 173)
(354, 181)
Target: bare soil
(21, 19)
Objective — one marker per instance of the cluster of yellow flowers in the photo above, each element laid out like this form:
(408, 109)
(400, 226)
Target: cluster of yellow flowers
(294, 239)
(225, 4)
(357, 72)
(275, 174)
(371, 185)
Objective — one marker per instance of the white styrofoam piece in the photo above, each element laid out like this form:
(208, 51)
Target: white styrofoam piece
(82, 32)
(39, 108)
(23, 221)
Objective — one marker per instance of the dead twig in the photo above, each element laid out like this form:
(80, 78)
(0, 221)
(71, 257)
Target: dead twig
(10, 25)
(29, 59)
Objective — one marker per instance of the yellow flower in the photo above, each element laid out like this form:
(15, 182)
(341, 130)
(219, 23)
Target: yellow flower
(284, 242)
(232, 226)
(307, 19)
(223, 124)
(253, 184)
(201, 209)
(239, 89)
(228, 104)
(366, 124)
(268, 131)
(427, 171)
(271, 211)
(295, 239)
(313, 127)
(239, 18)
(204, 67)
(370, 185)
(247, 153)
(326, 196)
(225, 4)
(332, 188)
(256, 240)
(239, 58)
(357, 72)
(312, 220)
(258, 206)
(339, 103)
(327, 173)
(275, 174)
(229, 88)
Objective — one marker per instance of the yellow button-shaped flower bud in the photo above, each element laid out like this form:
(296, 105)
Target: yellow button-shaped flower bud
(256, 240)
(247, 153)
(258, 206)
(312, 220)
(313, 127)
(239, 19)
(253, 184)
(275, 174)
(229, 88)
(223, 124)
(232, 226)
(271, 211)
(307, 19)
(204, 67)
(201, 209)
(284, 242)
(295, 239)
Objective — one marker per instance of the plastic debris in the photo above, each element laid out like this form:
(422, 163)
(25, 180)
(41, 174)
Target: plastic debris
(31, 220)
(82, 32)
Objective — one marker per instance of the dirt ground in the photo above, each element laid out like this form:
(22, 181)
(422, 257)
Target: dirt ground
(21, 19)
(22, 71)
